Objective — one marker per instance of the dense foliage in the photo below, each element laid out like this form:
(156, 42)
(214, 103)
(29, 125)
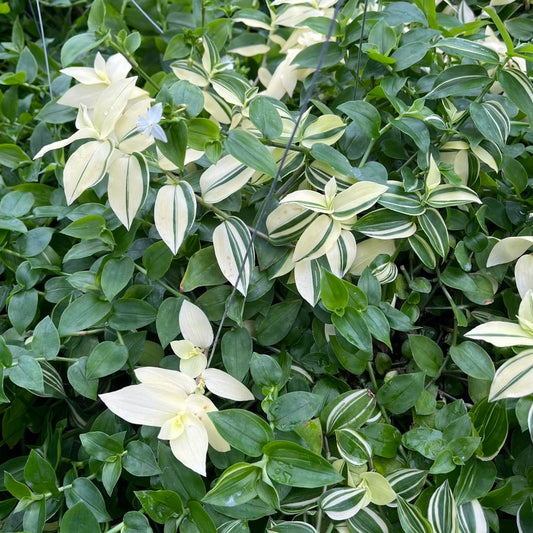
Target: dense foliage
(264, 266)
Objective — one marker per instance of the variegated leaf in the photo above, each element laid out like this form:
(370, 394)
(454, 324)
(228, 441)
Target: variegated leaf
(343, 503)
(423, 250)
(368, 521)
(501, 334)
(450, 195)
(508, 250)
(234, 252)
(436, 231)
(351, 409)
(466, 48)
(287, 222)
(407, 483)
(514, 379)
(385, 225)
(317, 239)
(491, 120)
(368, 250)
(318, 174)
(442, 511)
(411, 518)
(342, 254)
(523, 272)
(356, 198)
(294, 526)
(191, 72)
(127, 186)
(396, 199)
(307, 279)
(254, 18)
(353, 447)
(518, 88)
(327, 129)
(174, 213)
(309, 199)
(472, 518)
(226, 176)
(231, 87)
(86, 167)
(211, 56)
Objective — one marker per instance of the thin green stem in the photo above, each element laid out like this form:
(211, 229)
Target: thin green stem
(294, 147)
(163, 284)
(371, 144)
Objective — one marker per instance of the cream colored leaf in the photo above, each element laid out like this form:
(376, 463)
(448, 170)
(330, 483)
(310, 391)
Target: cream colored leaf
(523, 272)
(174, 213)
(433, 177)
(307, 279)
(309, 199)
(508, 250)
(127, 187)
(368, 250)
(327, 129)
(514, 379)
(342, 255)
(501, 334)
(151, 375)
(317, 239)
(225, 386)
(86, 167)
(356, 198)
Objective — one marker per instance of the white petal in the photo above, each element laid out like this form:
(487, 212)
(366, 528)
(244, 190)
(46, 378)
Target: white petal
(199, 406)
(151, 375)
(191, 446)
(194, 366)
(82, 94)
(117, 67)
(84, 75)
(172, 428)
(226, 386)
(183, 349)
(523, 272)
(150, 405)
(81, 134)
(195, 325)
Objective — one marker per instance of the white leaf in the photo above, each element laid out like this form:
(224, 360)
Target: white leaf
(225, 386)
(195, 326)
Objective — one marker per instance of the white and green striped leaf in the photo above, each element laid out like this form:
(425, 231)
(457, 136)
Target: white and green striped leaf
(353, 447)
(342, 255)
(508, 250)
(253, 18)
(423, 250)
(368, 521)
(411, 518)
(191, 72)
(231, 87)
(501, 334)
(442, 511)
(231, 239)
(307, 279)
(309, 199)
(451, 195)
(287, 222)
(327, 129)
(86, 167)
(396, 199)
(524, 517)
(514, 379)
(407, 483)
(435, 229)
(470, 49)
(319, 237)
(290, 527)
(523, 273)
(368, 250)
(491, 120)
(518, 88)
(318, 174)
(211, 56)
(472, 518)
(385, 224)
(460, 80)
(127, 186)
(351, 409)
(174, 213)
(356, 198)
(343, 503)
(226, 176)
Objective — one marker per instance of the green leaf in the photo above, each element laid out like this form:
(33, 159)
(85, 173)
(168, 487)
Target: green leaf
(84, 490)
(501, 28)
(291, 464)
(77, 377)
(237, 348)
(116, 274)
(160, 505)
(243, 430)
(427, 354)
(39, 474)
(166, 323)
(473, 360)
(326, 154)
(202, 271)
(307, 58)
(136, 522)
(84, 312)
(101, 446)
(460, 80)
(265, 118)
(277, 322)
(491, 120)
(22, 308)
(80, 519)
(77, 45)
(249, 150)
(333, 293)
(383, 438)
(524, 518)
(364, 114)
(265, 370)
(491, 424)
(176, 145)
(27, 374)
(416, 129)
(140, 459)
(353, 328)
(157, 259)
(401, 392)
(519, 89)
(130, 313)
(12, 156)
(236, 486)
(35, 516)
(475, 481)
(293, 409)
(106, 358)
(471, 49)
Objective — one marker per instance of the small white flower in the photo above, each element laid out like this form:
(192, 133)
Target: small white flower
(149, 124)
(198, 337)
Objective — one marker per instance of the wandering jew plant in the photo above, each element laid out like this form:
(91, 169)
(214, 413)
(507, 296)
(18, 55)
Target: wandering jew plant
(266, 266)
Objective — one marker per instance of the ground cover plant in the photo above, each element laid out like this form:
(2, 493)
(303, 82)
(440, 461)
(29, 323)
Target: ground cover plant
(265, 266)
